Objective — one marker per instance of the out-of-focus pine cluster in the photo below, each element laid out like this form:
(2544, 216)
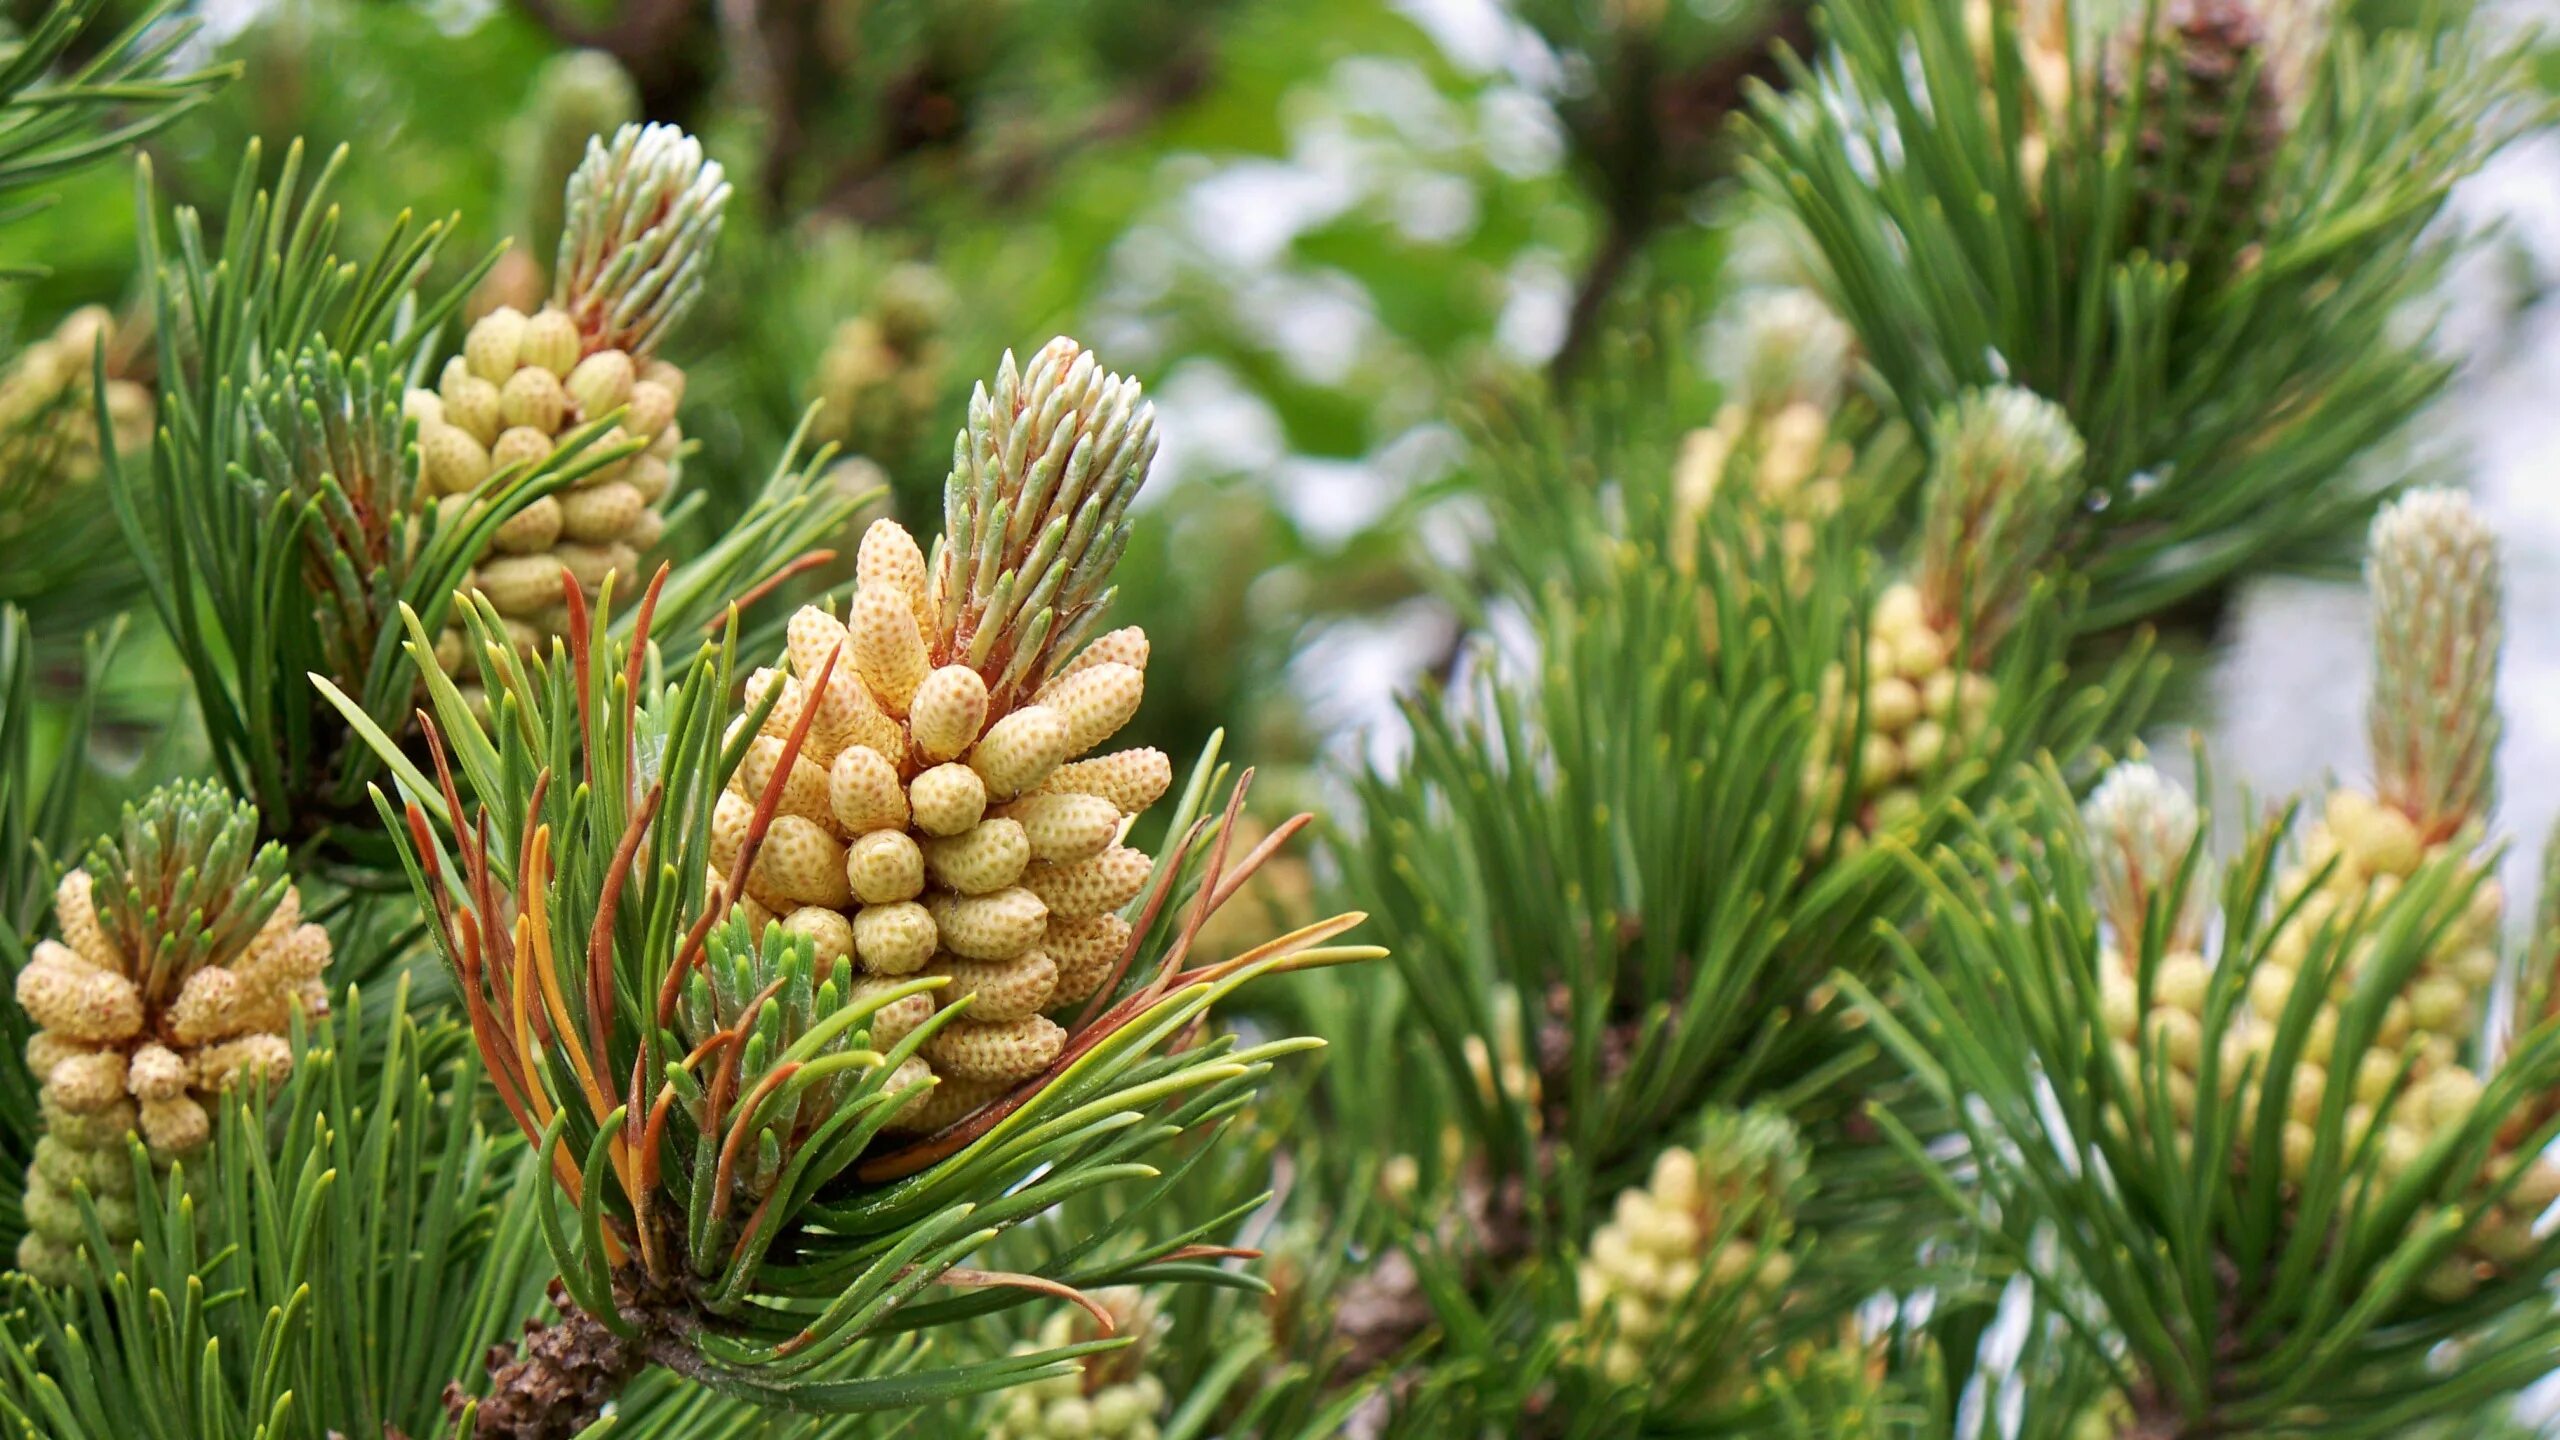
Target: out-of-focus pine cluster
(1999, 488)
(1115, 1398)
(48, 401)
(1690, 1267)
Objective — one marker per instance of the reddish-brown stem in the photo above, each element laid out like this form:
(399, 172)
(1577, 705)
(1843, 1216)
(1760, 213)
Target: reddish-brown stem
(775, 581)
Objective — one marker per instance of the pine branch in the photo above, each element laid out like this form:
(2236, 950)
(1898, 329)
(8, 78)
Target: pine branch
(329, 1286)
(2040, 225)
(769, 1156)
(55, 123)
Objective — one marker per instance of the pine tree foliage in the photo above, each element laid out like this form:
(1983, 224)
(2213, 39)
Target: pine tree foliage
(346, 1247)
(2276, 1160)
(1797, 1026)
(71, 108)
(1995, 203)
(75, 99)
(283, 516)
(43, 784)
(759, 1205)
(1580, 995)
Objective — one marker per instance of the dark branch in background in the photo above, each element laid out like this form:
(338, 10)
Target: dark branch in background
(872, 190)
(1645, 151)
(658, 41)
(789, 75)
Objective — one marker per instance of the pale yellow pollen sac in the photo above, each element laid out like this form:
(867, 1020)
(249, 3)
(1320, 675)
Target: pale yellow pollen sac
(1020, 750)
(1095, 703)
(803, 863)
(493, 343)
(830, 934)
(175, 1127)
(950, 1101)
(46, 1049)
(1085, 950)
(987, 858)
(1064, 827)
(651, 408)
(948, 711)
(863, 792)
(208, 1005)
(1127, 645)
(895, 939)
(1131, 780)
(75, 1000)
(888, 646)
(453, 462)
(529, 531)
(890, 558)
(1000, 926)
(90, 1130)
(732, 815)
(806, 793)
(472, 406)
(999, 991)
(549, 341)
(785, 714)
(947, 799)
(884, 867)
(261, 1056)
(157, 1073)
(531, 400)
(78, 919)
(1092, 886)
(896, 1020)
(600, 514)
(86, 1083)
(1012, 1050)
(520, 585)
(601, 383)
(816, 641)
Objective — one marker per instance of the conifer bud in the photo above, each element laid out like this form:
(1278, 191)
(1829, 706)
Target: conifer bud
(1113, 1396)
(772, 983)
(1781, 347)
(1004, 1050)
(1714, 1219)
(642, 213)
(183, 958)
(962, 683)
(2437, 586)
(2002, 482)
(2141, 828)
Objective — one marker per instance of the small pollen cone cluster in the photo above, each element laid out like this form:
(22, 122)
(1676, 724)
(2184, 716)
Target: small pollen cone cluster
(1787, 359)
(948, 813)
(1114, 1398)
(2000, 486)
(2433, 571)
(883, 370)
(48, 418)
(2141, 829)
(643, 213)
(1691, 1266)
(182, 956)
